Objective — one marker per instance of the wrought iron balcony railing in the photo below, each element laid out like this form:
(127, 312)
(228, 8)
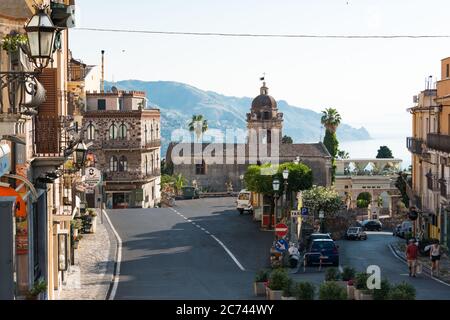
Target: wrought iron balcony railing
(131, 176)
(152, 144)
(53, 136)
(414, 145)
(439, 142)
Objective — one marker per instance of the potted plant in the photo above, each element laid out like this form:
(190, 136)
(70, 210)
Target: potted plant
(76, 226)
(11, 43)
(383, 292)
(259, 285)
(330, 290)
(348, 274)
(288, 291)
(333, 274)
(39, 287)
(403, 291)
(93, 214)
(277, 282)
(304, 291)
(361, 284)
(76, 241)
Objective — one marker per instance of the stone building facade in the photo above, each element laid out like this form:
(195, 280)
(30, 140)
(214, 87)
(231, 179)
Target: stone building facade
(213, 166)
(125, 143)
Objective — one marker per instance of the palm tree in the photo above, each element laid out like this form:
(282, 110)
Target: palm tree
(180, 182)
(198, 125)
(331, 119)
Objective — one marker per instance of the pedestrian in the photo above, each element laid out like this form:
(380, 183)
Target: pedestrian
(411, 256)
(435, 256)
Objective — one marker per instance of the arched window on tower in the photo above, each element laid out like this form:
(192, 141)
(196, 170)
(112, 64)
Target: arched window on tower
(146, 165)
(123, 132)
(152, 164)
(269, 136)
(90, 132)
(113, 164)
(113, 132)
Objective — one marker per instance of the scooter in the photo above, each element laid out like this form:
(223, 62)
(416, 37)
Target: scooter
(294, 256)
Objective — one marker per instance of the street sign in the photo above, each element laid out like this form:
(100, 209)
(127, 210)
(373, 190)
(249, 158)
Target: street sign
(281, 245)
(295, 214)
(93, 176)
(281, 229)
(305, 211)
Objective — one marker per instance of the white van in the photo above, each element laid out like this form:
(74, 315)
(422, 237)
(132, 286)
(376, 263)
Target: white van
(244, 202)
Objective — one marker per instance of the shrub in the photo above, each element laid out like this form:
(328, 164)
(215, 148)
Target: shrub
(76, 224)
(38, 287)
(330, 290)
(288, 290)
(402, 291)
(383, 292)
(332, 274)
(262, 275)
(361, 280)
(348, 273)
(278, 280)
(304, 291)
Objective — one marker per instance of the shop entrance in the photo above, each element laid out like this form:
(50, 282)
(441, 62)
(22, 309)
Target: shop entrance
(121, 200)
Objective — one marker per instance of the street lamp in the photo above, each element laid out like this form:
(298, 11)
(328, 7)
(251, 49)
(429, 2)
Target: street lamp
(80, 153)
(276, 188)
(285, 178)
(41, 34)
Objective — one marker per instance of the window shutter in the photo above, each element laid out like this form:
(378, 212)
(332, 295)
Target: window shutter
(48, 80)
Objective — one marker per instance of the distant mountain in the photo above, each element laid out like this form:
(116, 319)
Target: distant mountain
(179, 101)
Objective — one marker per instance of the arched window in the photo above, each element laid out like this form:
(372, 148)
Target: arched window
(157, 162)
(145, 133)
(151, 131)
(157, 131)
(113, 164)
(152, 163)
(123, 164)
(113, 132)
(123, 132)
(90, 132)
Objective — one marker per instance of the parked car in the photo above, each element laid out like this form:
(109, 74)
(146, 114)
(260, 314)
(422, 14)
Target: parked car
(317, 236)
(405, 227)
(324, 249)
(371, 225)
(190, 193)
(244, 202)
(355, 233)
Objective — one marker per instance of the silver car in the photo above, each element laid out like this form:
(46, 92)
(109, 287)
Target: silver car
(355, 233)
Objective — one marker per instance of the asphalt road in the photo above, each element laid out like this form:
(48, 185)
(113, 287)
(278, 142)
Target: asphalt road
(203, 249)
(375, 251)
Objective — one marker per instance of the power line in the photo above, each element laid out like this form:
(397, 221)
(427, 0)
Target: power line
(262, 35)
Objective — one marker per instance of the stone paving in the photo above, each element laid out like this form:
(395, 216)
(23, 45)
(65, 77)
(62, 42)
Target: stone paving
(90, 278)
(444, 267)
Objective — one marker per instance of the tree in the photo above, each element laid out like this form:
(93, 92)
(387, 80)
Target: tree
(363, 200)
(343, 155)
(166, 168)
(180, 182)
(401, 185)
(331, 142)
(320, 198)
(384, 153)
(198, 125)
(287, 140)
(331, 119)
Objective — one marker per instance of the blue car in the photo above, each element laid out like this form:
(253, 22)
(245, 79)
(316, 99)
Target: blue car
(323, 249)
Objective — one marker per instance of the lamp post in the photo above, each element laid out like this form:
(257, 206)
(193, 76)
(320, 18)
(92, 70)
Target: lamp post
(80, 154)
(285, 178)
(276, 188)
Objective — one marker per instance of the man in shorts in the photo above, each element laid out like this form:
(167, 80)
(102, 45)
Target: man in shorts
(411, 256)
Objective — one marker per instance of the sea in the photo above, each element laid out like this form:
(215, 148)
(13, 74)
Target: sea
(369, 148)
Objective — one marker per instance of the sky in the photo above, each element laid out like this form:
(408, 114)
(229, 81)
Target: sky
(371, 82)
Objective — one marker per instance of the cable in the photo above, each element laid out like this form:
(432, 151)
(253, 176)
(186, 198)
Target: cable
(219, 34)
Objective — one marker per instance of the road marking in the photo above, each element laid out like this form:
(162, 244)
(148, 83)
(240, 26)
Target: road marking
(118, 260)
(431, 277)
(236, 261)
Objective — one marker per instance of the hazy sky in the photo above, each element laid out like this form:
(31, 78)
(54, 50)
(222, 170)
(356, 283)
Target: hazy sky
(371, 82)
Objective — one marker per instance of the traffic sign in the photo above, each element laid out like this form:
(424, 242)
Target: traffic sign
(281, 229)
(305, 211)
(281, 245)
(295, 213)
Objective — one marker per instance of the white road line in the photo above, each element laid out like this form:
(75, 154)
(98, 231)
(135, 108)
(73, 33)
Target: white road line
(119, 258)
(433, 278)
(219, 242)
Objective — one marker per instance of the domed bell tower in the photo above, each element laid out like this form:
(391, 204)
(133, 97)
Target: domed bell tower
(264, 122)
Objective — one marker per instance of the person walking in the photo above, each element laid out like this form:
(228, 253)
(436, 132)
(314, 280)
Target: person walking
(435, 256)
(411, 256)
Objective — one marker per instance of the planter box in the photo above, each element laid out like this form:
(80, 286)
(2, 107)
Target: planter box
(350, 292)
(365, 296)
(259, 289)
(275, 294)
(75, 244)
(94, 224)
(287, 298)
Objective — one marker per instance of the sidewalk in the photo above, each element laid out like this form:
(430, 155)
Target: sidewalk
(444, 266)
(90, 278)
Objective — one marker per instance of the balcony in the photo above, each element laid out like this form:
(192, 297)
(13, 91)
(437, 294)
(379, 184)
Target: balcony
(433, 183)
(439, 142)
(54, 135)
(414, 145)
(131, 176)
(154, 144)
(444, 183)
(120, 144)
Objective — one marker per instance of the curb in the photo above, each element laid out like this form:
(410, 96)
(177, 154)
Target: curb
(424, 267)
(115, 278)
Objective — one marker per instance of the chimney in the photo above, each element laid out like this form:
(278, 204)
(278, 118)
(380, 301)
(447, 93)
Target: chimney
(103, 72)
